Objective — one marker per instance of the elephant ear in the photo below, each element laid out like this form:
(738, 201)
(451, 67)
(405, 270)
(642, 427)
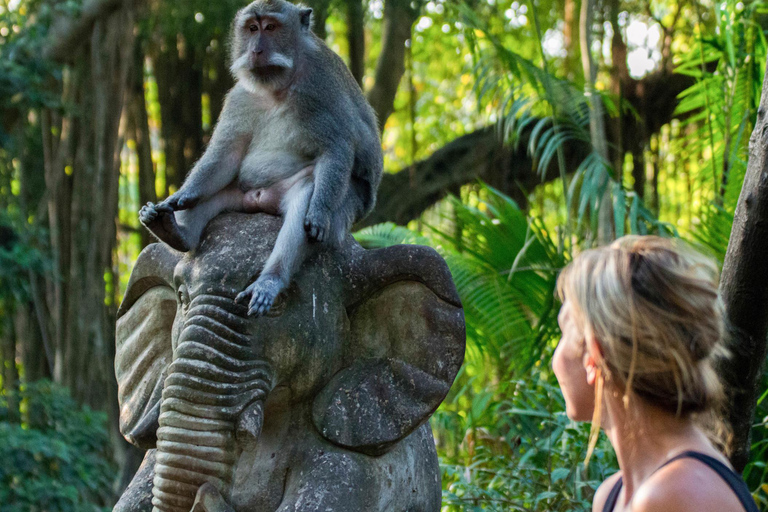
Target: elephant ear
(143, 343)
(406, 347)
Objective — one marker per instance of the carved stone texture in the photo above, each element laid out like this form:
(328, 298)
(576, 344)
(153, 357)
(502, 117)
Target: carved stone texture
(320, 405)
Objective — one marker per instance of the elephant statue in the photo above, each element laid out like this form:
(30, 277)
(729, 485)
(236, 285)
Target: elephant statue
(321, 405)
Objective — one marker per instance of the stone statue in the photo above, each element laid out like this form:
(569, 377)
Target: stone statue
(322, 405)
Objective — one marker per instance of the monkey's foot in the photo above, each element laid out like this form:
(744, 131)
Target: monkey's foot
(317, 225)
(209, 499)
(262, 292)
(160, 220)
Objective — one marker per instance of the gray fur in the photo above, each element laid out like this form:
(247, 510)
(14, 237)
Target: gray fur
(295, 105)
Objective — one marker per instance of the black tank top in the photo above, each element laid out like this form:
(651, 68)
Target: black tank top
(733, 480)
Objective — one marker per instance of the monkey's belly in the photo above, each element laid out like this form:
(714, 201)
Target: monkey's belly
(265, 168)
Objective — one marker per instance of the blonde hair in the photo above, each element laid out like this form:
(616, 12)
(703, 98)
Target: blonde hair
(653, 307)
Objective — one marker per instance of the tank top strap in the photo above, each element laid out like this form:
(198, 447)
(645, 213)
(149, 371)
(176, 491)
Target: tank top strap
(734, 481)
(613, 496)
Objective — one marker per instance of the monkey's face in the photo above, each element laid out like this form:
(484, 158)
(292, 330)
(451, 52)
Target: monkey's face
(267, 37)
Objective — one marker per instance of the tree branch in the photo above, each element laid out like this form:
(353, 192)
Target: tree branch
(404, 195)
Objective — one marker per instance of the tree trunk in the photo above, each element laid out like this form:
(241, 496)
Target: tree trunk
(399, 17)
(138, 129)
(32, 345)
(179, 75)
(569, 27)
(596, 120)
(356, 38)
(82, 163)
(217, 87)
(744, 288)
(320, 11)
(10, 373)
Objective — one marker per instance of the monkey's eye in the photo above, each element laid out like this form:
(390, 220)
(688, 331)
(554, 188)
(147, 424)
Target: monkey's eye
(253, 28)
(270, 27)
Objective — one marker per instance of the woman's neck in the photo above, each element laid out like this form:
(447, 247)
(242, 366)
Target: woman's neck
(644, 437)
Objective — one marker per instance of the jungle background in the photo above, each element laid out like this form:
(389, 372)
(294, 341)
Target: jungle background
(516, 133)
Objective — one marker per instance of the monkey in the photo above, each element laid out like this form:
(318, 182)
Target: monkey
(295, 136)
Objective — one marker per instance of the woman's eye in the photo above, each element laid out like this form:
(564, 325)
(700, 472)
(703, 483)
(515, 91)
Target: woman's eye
(254, 28)
(269, 27)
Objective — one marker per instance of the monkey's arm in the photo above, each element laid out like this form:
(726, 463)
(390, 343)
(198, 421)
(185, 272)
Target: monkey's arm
(219, 165)
(332, 175)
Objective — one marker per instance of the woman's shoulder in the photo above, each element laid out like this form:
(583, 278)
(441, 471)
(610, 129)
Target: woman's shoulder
(601, 495)
(685, 485)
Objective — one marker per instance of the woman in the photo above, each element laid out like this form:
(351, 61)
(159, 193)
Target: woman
(642, 327)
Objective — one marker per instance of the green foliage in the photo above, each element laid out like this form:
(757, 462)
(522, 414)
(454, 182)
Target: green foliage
(23, 71)
(511, 447)
(58, 460)
(504, 266)
(20, 259)
(547, 113)
(719, 110)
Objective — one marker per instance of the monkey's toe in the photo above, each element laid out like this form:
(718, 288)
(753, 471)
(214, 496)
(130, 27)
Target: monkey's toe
(315, 232)
(147, 214)
(243, 296)
(261, 302)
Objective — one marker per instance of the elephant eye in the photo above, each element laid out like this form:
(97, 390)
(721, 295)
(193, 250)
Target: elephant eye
(183, 297)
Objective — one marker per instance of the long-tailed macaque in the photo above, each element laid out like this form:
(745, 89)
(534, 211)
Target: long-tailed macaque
(295, 136)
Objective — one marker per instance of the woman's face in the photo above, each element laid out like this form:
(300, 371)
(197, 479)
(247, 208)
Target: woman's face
(569, 364)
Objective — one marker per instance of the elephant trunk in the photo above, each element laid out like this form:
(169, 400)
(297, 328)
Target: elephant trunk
(213, 397)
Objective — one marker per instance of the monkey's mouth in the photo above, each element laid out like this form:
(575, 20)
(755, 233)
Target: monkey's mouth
(268, 71)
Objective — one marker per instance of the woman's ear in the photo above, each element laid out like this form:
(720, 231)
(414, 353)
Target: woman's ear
(593, 358)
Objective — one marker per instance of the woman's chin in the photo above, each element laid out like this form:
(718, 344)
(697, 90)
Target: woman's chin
(578, 413)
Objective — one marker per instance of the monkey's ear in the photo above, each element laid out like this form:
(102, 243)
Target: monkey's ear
(143, 343)
(305, 15)
(406, 347)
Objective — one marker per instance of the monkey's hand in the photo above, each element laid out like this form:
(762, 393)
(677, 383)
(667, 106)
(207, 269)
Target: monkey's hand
(317, 224)
(181, 200)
